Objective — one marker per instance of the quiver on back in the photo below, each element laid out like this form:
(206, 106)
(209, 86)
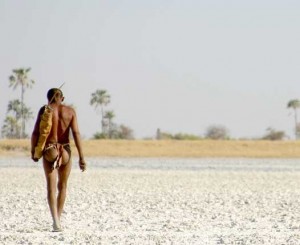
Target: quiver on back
(44, 131)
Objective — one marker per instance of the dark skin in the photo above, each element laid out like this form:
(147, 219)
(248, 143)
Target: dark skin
(64, 120)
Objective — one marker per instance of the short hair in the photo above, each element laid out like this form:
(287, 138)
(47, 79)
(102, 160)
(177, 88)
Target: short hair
(54, 93)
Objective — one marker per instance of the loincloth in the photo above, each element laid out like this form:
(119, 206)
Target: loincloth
(58, 147)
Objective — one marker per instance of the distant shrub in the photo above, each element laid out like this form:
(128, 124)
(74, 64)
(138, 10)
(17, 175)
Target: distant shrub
(99, 136)
(166, 136)
(217, 133)
(178, 136)
(116, 132)
(273, 134)
(181, 136)
(123, 132)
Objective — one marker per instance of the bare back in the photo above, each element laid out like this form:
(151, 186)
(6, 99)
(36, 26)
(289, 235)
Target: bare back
(62, 122)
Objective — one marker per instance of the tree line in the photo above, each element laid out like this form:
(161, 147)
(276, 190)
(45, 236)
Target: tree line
(109, 129)
(219, 132)
(18, 114)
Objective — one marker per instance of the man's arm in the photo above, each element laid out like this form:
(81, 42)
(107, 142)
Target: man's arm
(77, 140)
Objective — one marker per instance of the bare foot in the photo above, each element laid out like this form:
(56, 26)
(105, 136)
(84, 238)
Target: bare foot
(57, 228)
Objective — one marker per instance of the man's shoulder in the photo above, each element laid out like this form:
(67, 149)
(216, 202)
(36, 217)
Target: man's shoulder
(42, 109)
(67, 108)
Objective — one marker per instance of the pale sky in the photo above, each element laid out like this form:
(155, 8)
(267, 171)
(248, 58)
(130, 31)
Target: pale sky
(180, 66)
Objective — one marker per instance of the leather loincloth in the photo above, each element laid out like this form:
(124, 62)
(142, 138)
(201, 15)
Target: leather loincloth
(59, 149)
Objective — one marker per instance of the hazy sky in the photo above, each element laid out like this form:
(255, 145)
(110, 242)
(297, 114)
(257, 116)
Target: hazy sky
(177, 65)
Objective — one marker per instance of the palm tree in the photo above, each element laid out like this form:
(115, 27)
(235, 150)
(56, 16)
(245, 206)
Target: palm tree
(294, 104)
(109, 115)
(100, 98)
(15, 107)
(11, 128)
(27, 115)
(20, 78)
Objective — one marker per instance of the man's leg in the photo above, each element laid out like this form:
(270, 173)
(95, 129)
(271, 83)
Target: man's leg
(51, 178)
(63, 176)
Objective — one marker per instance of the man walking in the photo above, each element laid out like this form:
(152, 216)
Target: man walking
(50, 139)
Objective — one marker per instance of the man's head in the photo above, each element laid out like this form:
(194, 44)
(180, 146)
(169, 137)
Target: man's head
(55, 95)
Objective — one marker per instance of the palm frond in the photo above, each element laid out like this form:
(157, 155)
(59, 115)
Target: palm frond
(295, 103)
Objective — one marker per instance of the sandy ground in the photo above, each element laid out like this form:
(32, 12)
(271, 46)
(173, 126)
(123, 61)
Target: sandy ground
(156, 201)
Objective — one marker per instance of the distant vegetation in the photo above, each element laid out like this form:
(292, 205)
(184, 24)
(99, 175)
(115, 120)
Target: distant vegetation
(212, 132)
(273, 134)
(294, 105)
(179, 136)
(217, 133)
(109, 130)
(18, 114)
